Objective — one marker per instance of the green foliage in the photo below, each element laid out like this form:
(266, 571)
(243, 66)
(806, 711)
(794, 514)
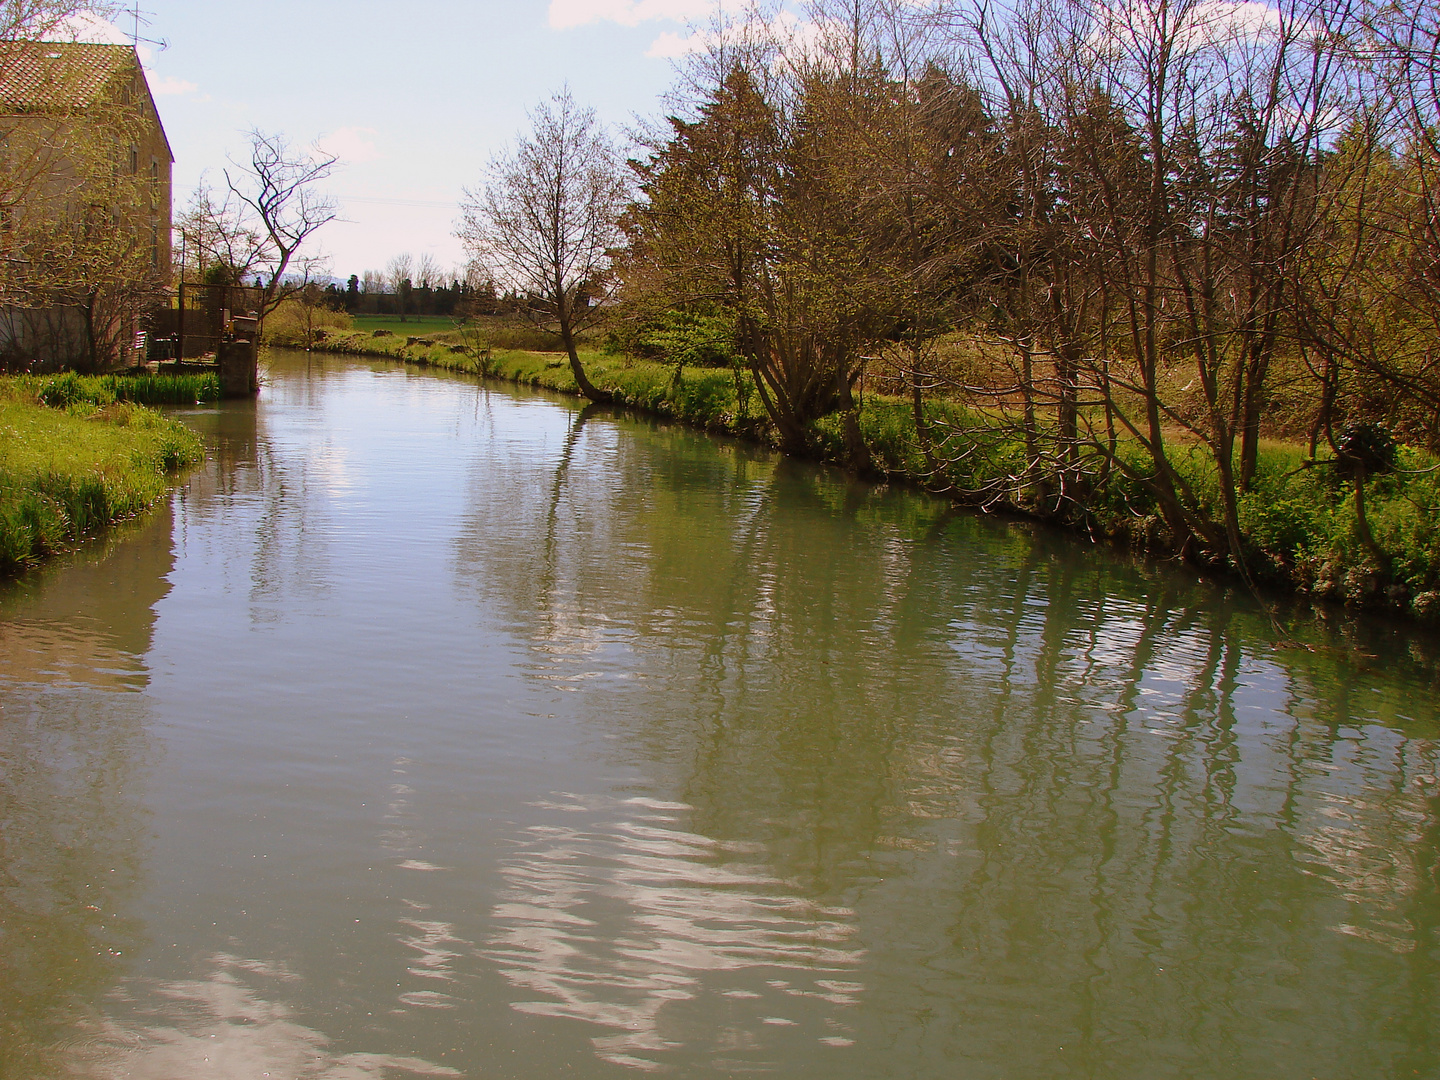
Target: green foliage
(182, 389)
(295, 320)
(687, 340)
(1287, 509)
(71, 389)
(1279, 526)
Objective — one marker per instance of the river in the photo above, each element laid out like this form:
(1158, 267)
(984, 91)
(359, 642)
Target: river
(443, 729)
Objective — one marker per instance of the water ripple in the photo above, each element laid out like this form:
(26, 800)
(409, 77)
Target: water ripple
(615, 920)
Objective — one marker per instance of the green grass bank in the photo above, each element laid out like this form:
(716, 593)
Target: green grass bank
(78, 454)
(1300, 524)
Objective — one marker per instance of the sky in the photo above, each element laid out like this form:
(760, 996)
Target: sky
(414, 97)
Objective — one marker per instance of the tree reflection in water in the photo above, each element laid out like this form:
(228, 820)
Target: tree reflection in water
(849, 785)
(1067, 807)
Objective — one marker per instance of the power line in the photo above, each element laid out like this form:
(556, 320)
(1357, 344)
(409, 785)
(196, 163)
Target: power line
(375, 201)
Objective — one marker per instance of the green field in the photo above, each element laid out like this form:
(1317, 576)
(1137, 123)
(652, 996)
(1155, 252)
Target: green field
(486, 332)
(413, 326)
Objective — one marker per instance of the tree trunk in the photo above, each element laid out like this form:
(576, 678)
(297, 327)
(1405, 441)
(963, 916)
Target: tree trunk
(1256, 371)
(567, 335)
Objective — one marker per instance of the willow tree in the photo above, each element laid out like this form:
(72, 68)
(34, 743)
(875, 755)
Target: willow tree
(547, 220)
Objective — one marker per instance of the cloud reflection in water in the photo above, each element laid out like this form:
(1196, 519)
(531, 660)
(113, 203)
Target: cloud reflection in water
(621, 920)
(219, 1028)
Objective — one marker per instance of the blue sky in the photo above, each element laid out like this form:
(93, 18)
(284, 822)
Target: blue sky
(415, 97)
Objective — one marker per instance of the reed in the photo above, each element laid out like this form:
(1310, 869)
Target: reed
(60, 391)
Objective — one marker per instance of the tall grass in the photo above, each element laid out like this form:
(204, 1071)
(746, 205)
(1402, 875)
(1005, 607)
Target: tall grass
(60, 391)
(67, 472)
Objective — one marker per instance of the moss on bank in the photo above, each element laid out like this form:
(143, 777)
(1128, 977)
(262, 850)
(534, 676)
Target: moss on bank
(67, 471)
(1299, 523)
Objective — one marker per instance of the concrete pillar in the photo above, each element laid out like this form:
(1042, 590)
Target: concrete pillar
(239, 363)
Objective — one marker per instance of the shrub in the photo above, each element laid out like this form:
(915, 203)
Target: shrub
(1280, 526)
(69, 390)
(686, 340)
(288, 324)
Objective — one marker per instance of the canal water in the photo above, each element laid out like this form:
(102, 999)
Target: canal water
(436, 729)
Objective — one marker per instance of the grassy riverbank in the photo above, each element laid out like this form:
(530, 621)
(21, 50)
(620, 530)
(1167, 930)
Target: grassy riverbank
(77, 456)
(1300, 524)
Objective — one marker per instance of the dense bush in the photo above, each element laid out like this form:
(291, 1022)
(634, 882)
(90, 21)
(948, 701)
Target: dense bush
(681, 338)
(292, 323)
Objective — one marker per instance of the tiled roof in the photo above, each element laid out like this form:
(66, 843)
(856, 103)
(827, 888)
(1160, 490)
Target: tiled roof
(37, 76)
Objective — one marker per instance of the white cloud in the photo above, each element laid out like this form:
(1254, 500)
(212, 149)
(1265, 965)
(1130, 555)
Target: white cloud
(170, 86)
(792, 36)
(671, 45)
(566, 14)
(1221, 20)
(350, 144)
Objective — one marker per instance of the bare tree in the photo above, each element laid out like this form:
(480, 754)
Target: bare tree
(275, 196)
(428, 274)
(546, 221)
(220, 244)
(399, 273)
(45, 20)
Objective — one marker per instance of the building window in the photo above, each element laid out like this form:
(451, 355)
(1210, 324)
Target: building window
(134, 159)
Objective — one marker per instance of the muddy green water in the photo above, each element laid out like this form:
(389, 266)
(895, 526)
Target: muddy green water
(443, 730)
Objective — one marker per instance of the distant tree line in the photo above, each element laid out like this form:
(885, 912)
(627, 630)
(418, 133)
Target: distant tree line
(414, 287)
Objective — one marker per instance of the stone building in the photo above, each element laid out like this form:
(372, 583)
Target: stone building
(85, 204)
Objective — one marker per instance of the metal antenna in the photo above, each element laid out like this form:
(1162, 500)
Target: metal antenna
(137, 13)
